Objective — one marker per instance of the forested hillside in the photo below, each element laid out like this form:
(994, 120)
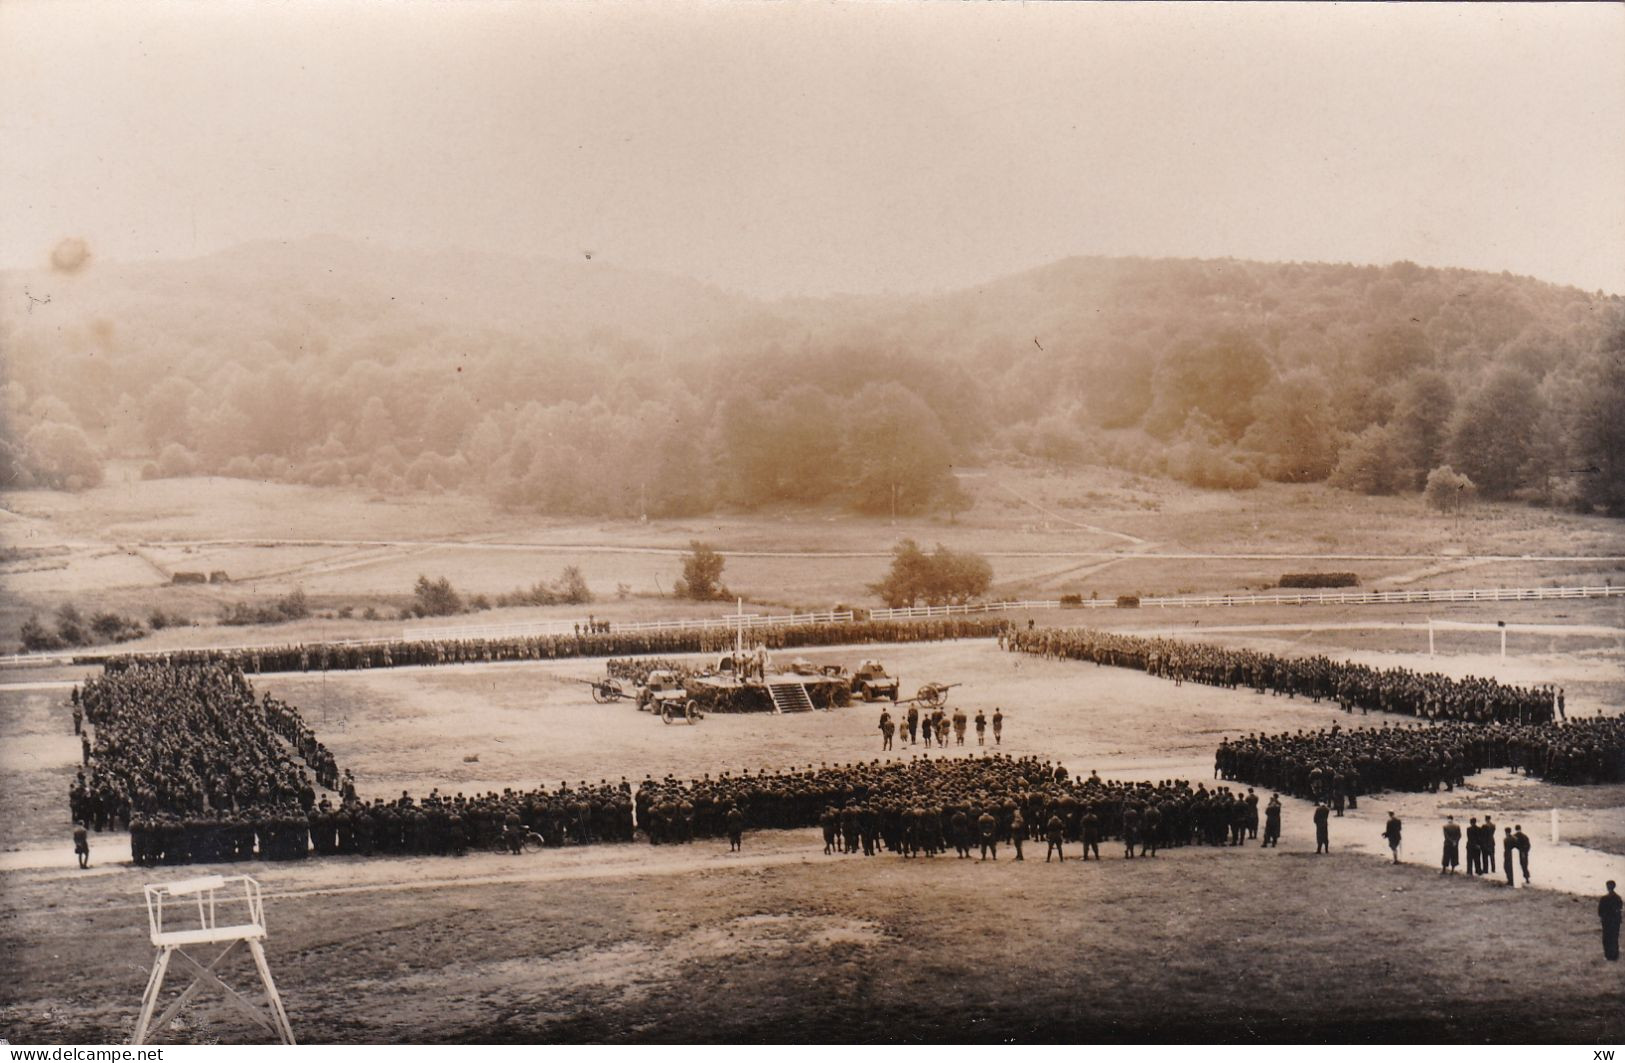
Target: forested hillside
(579, 388)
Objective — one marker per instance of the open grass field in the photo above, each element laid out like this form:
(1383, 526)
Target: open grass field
(632, 943)
(1097, 532)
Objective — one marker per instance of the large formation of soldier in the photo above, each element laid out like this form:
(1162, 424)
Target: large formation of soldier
(326, 656)
(926, 806)
(200, 771)
(1351, 686)
(1334, 764)
(1471, 724)
(204, 772)
(189, 761)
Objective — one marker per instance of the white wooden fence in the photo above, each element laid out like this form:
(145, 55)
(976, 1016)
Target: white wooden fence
(1496, 594)
(566, 627)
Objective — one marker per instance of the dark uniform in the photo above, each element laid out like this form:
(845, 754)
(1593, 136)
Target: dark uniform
(1392, 831)
(988, 826)
(1323, 838)
(1272, 823)
(1608, 910)
(1091, 835)
(81, 845)
(1452, 845)
(1055, 831)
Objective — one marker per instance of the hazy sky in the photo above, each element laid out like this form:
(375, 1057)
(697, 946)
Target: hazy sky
(819, 147)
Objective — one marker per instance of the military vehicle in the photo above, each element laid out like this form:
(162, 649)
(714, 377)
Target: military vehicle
(666, 695)
(871, 682)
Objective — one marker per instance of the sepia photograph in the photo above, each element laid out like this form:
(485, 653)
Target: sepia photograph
(837, 522)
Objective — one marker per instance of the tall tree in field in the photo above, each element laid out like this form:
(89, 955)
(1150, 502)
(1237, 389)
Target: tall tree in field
(702, 573)
(906, 580)
(941, 577)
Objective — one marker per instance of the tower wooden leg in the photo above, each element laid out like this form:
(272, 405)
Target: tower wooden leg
(279, 1015)
(149, 1000)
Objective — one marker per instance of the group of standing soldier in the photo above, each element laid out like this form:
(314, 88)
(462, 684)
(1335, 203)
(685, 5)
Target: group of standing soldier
(934, 726)
(598, 638)
(1350, 685)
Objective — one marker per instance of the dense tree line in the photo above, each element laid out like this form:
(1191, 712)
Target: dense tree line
(622, 402)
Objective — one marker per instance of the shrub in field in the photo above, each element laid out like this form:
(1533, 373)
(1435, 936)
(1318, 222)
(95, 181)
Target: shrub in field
(435, 598)
(72, 629)
(1320, 579)
(159, 619)
(176, 461)
(70, 626)
(573, 589)
(111, 627)
(1448, 490)
(291, 606)
(39, 638)
(570, 589)
(702, 574)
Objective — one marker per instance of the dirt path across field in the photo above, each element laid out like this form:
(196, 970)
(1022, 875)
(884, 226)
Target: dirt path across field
(1561, 867)
(680, 551)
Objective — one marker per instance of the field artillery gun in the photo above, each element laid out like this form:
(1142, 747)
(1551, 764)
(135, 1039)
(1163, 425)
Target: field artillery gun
(871, 682)
(604, 691)
(666, 695)
(931, 696)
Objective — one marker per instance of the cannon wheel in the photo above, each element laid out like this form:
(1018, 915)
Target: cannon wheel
(666, 712)
(931, 698)
(601, 693)
(692, 711)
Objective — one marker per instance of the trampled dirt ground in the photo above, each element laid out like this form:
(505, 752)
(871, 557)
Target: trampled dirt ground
(644, 944)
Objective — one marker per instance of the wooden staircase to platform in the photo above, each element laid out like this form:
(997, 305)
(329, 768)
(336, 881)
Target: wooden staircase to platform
(790, 697)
